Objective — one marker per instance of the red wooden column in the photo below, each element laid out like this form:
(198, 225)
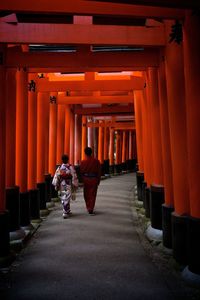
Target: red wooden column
(22, 144)
(155, 126)
(139, 128)
(52, 132)
(42, 150)
(100, 142)
(168, 206)
(77, 144)
(4, 216)
(191, 47)
(32, 147)
(106, 149)
(179, 153)
(12, 191)
(60, 132)
(118, 152)
(72, 133)
(124, 148)
(111, 150)
(90, 133)
(67, 129)
(84, 136)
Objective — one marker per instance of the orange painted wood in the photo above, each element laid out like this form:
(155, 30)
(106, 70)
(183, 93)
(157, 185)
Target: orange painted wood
(90, 134)
(42, 135)
(78, 34)
(165, 136)
(2, 138)
(111, 147)
(155, 126)
(21, 129)
(192, 83)
(81, 60)
(135, 83)
(78, 137)
(52, 135)
(124, 147)
(177, 123)
(106, 142)
(67, 129)
(139, 128)
(60, 132)
(130, 145)
(71, 148)
(147, 134)
(32, 136)
(84, 136)
(118, 148)
(92, 8)
(10, 126)
(93, 99)
(100, 143)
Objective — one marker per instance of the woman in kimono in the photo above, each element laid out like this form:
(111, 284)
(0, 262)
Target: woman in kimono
(65, 179)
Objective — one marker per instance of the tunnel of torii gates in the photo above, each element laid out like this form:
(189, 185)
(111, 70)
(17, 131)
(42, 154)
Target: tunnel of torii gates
(116, 102)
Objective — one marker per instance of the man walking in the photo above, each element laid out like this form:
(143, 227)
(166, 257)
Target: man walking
(90, 170)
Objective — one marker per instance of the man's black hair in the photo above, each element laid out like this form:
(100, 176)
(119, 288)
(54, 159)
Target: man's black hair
(65, 158)
(88, 151)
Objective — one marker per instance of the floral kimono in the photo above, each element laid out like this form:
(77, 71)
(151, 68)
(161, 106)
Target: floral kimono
(64, 180)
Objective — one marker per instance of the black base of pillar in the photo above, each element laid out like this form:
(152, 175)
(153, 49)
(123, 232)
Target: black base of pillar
(111, 169)
(156, 201)
(34, 204)
(4, 234)
(124, 167)
(118, 169)
(139, 179)
(42, 194)
(47, 179)
(194, 245)
(106, 167)
(144, 184)
(12, 205)
(24, 201)
(167, 225)
(147, 202)
(179, 238)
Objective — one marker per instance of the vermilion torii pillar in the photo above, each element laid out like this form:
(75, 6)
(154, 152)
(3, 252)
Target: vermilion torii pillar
(106, 149)
(60, 132)
(90, 133)
(168, 206)
(178, 137)
(4, 216)
(111, 150)
(67, 129)
(22, 144)
(42, 111)
(72, 133)
(77, 137)
(124, 149)
(191, 47)
(32, 148)
(100, 142)
(52, 132)
(84, 136)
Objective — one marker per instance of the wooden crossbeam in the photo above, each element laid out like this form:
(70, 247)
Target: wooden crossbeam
(94, 99)
(109, 110)
(92, 8)
(78, 34)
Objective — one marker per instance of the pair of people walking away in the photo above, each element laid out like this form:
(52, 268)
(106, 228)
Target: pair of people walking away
(65, 179)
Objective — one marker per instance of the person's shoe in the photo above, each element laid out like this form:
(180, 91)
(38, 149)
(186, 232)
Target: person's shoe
(65, 216)
(91, 213)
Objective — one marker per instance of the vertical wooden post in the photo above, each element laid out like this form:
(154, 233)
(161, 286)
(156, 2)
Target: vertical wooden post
(71, 151)
(60, 132)
(84, 136)
(67, 129)
(179, 153)
(52, 134)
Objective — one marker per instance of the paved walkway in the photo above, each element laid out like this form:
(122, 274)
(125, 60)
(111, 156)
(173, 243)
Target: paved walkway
(90, 257)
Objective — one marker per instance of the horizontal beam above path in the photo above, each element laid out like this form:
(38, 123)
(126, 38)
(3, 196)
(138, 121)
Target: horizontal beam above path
(89, 8)
(81, 34)
(136, 83)
(112, 124)
(93, 99)
(82, 61)
(109, 110)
